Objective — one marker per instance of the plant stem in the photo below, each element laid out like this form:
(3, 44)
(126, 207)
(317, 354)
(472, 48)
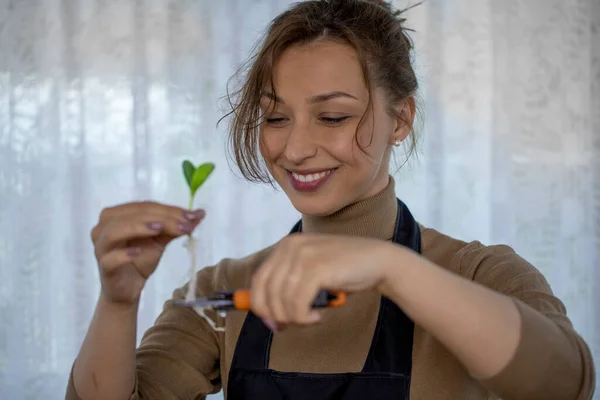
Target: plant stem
(191, 292)
(191, 247)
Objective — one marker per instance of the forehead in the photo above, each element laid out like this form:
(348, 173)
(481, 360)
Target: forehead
(321, 66)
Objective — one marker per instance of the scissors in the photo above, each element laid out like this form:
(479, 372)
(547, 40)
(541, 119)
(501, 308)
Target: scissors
(239, 300)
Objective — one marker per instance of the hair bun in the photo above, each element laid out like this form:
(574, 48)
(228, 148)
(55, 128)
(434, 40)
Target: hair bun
(396, 13)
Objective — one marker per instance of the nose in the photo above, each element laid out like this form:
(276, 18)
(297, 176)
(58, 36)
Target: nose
(300, 145)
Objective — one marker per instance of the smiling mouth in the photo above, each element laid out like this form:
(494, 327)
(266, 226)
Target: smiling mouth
(311, 177)
(309, 181)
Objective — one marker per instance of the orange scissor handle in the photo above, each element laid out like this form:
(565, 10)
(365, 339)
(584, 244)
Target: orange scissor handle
(241, 299)
(340, 299)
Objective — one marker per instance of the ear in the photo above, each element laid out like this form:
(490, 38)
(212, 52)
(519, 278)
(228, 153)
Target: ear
(405, 116)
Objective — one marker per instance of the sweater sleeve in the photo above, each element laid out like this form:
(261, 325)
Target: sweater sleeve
(178, 357)
(551, 360)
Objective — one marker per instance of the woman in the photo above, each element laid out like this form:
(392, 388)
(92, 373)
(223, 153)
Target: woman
(325, 100)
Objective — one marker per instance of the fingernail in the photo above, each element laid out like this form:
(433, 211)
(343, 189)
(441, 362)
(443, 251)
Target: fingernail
(271, 325)
(133, 251)
(314, 316)
(155, 225)
(185, 227)
(194, 215)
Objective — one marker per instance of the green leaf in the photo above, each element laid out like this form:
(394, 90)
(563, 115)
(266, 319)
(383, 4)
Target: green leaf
(200, 176)
(188, 171)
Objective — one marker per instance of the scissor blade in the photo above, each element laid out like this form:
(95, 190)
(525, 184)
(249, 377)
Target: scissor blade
(203, 302)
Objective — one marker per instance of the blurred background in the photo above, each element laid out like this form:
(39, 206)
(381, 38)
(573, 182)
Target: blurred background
(101, 100)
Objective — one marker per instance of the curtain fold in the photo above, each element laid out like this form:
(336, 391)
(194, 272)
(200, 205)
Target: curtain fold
(101, 100)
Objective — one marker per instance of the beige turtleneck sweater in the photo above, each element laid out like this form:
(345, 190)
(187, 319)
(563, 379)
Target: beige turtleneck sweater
(182, 358)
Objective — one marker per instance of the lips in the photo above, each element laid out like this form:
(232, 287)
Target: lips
(309, 181)
(311, 177)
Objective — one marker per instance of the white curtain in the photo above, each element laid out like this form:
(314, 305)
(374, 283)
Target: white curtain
(101, 100)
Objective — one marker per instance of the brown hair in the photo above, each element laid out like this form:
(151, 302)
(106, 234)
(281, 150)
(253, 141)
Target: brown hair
(371, 27)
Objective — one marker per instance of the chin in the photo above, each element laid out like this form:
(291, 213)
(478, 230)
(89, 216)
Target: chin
(319, 204)
(316, 206)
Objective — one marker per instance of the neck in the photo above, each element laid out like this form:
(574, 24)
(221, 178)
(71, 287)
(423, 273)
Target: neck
(372, 217)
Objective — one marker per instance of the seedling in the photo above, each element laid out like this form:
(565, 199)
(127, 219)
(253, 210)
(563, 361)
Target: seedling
(195, 178)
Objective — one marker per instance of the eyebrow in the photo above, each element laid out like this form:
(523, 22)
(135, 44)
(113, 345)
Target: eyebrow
(315, 99)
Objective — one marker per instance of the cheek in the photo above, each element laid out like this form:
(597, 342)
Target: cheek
(349, 146)
(372, 143)
(364, 137)
(271, 144)
(339, 144)
(367, 132)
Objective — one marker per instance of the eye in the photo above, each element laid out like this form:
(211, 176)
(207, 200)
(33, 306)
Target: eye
(333, 121)
(276, 121)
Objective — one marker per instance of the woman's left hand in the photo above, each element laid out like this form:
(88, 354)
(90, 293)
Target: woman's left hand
(285, 286)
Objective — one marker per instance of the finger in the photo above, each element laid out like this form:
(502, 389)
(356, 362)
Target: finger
(283, 277)
(292, 278)
(281, 266)
(121, 210)
(137, 226)
(124, 210)
(276, 286)
(257, 291)
(118, 258)
(259, 288)
(302, 298)
(301, 289)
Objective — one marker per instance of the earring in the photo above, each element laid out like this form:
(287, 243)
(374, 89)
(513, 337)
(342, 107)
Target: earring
(397, 143)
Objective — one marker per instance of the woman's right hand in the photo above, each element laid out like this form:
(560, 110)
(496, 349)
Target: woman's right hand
(129, 241)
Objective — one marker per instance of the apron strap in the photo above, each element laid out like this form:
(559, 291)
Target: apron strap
(391, 348)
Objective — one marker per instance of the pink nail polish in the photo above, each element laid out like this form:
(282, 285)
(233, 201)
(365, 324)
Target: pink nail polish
(155, 225)
(186, 227)
(133, 251)
(271, 325)
(194, 216)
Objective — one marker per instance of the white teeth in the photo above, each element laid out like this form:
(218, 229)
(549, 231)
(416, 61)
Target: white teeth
(310, 177)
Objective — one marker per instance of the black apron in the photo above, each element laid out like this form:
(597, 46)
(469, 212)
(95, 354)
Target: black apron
(385, 375)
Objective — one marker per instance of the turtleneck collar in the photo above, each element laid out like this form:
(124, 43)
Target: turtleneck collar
(372, 217)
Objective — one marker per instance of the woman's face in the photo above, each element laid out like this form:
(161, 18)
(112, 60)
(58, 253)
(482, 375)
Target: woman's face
(309, 132)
